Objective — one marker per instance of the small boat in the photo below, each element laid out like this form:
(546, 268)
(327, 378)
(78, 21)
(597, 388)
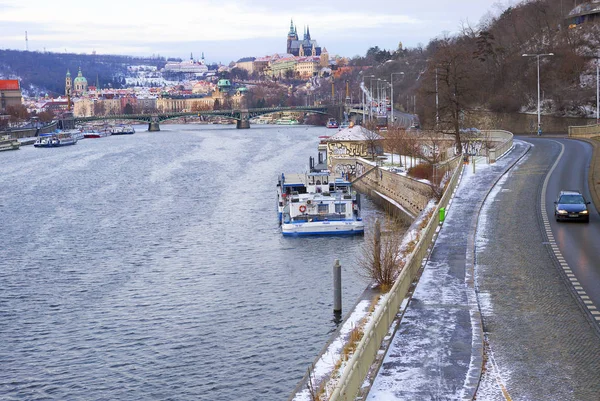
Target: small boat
(55, 139)
(315, 204)
(332, 123)
(286, 121)
(8, 143)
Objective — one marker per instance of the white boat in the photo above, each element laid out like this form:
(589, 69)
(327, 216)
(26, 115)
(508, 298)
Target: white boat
(8, 143)
(55, 139)
(122, 130)
(317, 204)
(286, 121)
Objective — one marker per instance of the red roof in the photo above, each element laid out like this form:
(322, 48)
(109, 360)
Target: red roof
(9, 84)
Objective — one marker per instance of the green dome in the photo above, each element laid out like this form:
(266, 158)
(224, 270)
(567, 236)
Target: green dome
(80, 77)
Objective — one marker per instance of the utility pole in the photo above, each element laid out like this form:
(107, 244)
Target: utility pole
(26, 42)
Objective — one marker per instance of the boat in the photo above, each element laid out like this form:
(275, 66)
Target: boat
(122, 130)
(9, 143)
(93, 133)
(317, 203)
(76, 134)
(55, 139)
(286, 121)
(332, 123)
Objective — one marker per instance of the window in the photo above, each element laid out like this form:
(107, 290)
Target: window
(340, 208)
(323, 208)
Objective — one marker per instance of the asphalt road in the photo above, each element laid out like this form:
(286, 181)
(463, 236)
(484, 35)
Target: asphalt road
(579, 243)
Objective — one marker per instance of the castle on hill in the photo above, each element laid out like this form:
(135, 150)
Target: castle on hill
(304, 47)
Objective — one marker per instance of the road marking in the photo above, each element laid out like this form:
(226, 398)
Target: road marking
(556, 250)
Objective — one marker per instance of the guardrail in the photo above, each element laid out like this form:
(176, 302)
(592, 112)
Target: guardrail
(360, 363)
(502, 139)
(584, 131)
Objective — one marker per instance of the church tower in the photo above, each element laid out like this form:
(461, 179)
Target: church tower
(292, 35)
(68, 84)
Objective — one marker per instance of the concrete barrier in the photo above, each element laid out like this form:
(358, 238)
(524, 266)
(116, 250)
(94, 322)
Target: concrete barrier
(584, 131)
(366, 352)
(502, 142)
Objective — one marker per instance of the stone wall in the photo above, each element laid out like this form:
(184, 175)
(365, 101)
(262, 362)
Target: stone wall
(524, 124)
(411, 194)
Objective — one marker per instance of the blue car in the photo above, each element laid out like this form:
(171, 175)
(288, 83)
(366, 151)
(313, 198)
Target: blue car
(571, 205)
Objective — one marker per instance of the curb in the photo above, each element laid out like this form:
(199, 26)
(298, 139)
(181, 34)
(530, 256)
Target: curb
(594, 171)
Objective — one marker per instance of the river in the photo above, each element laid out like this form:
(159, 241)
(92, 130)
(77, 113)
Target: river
(151, 267)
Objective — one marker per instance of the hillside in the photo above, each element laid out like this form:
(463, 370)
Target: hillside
(45, 72)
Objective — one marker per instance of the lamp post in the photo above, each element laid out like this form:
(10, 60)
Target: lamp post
(392, 92)
(364, 95)
(371, 101)
(537, 56)
(437, 109)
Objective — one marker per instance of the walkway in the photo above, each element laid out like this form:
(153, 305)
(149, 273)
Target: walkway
(437, 352)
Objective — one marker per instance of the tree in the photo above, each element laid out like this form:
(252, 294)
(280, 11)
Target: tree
(128, 109)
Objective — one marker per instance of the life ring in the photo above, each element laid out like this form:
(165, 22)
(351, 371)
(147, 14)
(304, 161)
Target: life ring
(302, 208)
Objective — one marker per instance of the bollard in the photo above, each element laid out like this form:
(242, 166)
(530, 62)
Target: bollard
(337, 287)
(442, 214)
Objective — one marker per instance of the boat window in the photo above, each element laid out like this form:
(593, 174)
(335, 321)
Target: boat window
(323, 208)
(340, 208)
(318, 182)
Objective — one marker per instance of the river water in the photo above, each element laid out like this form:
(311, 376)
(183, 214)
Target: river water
(151, 267)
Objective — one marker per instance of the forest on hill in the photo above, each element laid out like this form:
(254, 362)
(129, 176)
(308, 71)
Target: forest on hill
(484, 67)
(44, 72)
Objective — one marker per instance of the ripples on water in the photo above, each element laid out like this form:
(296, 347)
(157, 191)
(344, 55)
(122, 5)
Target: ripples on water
(152, 267)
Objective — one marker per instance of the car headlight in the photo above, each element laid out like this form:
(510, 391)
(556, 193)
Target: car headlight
(584, 212)
(562, 212)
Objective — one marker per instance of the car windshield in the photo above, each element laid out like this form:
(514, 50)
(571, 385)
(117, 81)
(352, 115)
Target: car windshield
(571, 199)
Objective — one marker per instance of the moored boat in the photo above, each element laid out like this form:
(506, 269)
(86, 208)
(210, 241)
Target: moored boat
(8, 143)
(122, 130)
(315, 204)
(55, 139)
(93, 133)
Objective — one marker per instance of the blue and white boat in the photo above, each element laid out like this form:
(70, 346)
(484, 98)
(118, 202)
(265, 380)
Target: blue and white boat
(55, 139)
(317, 204)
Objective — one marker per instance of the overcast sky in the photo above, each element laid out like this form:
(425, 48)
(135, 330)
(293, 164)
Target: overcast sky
(226, 30)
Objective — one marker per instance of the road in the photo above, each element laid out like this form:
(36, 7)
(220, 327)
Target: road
(578, 242)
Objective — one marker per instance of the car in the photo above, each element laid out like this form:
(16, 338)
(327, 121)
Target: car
(571, 205)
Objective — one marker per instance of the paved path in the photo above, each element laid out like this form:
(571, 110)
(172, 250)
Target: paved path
(437, 352)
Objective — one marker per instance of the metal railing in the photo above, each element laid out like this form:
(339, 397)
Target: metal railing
(366, 352)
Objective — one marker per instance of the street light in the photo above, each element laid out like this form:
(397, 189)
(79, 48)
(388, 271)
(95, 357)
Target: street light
(371, 93)
(392, 92)
(539, 132)
(363, 95)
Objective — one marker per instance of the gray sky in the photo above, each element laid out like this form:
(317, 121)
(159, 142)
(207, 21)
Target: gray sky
(227, 30)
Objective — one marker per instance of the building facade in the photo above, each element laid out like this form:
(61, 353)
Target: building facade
(10, 93)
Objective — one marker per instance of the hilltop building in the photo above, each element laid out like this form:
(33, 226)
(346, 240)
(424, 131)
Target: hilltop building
(190, 66)
(10, 93)
(587, 12)
(304, 47)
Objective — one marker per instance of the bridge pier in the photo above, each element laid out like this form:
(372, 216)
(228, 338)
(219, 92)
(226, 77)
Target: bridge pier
(153, 125)
(244, 121)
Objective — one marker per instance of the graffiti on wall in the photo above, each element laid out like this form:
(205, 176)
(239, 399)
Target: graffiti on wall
(348, 149)
(345, 169)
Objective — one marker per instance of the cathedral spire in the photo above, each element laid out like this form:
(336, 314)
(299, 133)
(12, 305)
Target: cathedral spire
(307, 32)
(291, 27)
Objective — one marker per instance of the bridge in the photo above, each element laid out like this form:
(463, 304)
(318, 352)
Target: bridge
(242, 116)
